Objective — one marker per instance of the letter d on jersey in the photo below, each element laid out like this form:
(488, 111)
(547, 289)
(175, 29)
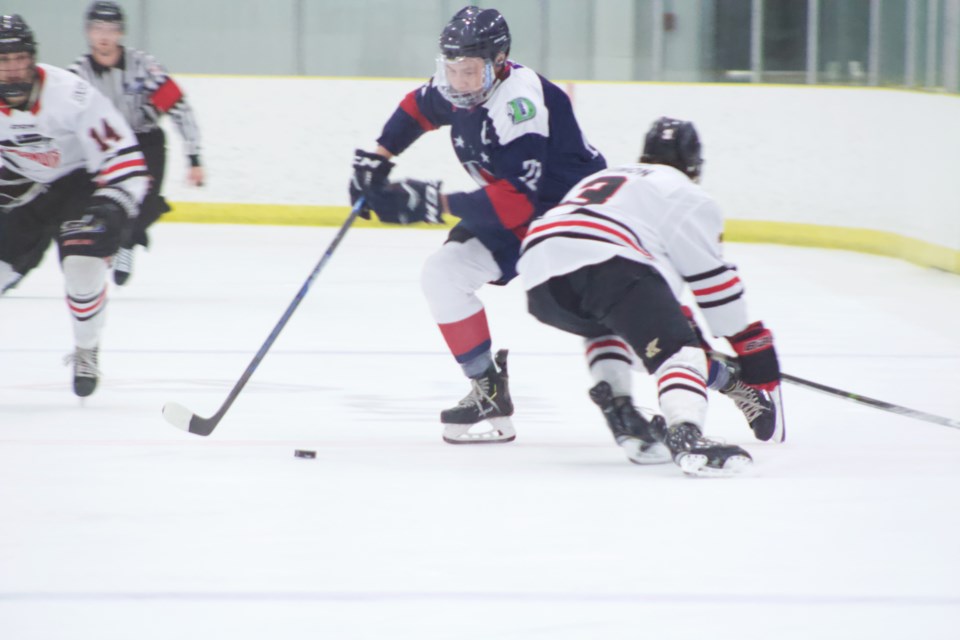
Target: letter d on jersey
(521, 110)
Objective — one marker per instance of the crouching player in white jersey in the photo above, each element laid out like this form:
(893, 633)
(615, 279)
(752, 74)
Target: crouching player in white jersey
(71, 169)
(613, 258)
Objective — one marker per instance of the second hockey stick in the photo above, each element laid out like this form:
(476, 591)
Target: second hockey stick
(870, 402)
(856, 397)
(182, 418)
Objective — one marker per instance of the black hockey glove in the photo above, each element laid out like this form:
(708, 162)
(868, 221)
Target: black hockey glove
(98, 232)
(370, 171)
(759, 367)
(407, 201)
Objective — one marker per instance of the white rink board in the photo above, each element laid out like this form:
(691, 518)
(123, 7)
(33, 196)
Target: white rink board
(844, 157)
(116, 525)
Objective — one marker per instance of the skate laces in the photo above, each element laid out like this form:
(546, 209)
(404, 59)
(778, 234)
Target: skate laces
(124, 260)
(686, 436)
(84, 362)
(748, 400)
(479, 391)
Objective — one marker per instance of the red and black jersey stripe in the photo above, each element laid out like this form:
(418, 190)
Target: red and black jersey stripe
(715, 288)
(585, 224)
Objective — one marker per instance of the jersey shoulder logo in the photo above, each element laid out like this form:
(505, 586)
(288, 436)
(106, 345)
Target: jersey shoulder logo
(521, 110)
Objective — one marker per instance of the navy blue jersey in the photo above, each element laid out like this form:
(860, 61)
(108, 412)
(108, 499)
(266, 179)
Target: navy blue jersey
(523, 146)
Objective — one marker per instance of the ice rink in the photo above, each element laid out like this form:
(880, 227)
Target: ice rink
(115, 525)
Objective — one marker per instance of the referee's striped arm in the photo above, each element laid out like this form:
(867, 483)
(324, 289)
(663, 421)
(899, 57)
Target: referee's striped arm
(143, 92)
(166, 97)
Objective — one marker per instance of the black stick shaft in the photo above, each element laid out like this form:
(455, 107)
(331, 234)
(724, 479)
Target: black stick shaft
(871, 402)
(854, 397)
(205, 426)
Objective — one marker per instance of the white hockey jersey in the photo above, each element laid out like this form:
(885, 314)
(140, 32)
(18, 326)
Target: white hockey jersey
(652, 214)
(72, 126)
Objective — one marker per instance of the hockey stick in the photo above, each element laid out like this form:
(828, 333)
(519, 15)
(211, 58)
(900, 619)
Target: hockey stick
(182, 418)
(870, 402)
(856, 397)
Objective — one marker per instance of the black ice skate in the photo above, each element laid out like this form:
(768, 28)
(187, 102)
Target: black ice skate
(123, 265)
(762, 409)
(697, 456)
(488, 401)
(639, 437)
(86, 371)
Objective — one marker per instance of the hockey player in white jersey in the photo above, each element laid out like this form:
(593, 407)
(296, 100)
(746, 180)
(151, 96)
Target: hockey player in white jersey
(71, 170)
(609, 264)
(142, 91)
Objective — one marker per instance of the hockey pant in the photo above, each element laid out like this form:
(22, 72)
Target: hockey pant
(450, 280)
(622, 308)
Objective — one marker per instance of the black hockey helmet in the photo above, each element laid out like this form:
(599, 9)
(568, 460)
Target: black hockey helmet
(475, 33)
(16, 37)
(674, 143)
(105, 11)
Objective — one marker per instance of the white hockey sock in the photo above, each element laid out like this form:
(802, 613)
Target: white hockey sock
(682, 387)
(610, 360)
(86, 283)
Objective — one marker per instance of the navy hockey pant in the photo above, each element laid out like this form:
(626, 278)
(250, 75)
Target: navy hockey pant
(619, 296)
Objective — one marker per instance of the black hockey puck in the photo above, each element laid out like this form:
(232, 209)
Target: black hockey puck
(305, 453)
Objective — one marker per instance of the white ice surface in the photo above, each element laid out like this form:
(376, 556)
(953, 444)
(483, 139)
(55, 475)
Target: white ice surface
(115, 525)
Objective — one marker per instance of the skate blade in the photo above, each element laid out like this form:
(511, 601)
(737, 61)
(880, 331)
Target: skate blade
(640, 452)
(497, 430)
(695, 464)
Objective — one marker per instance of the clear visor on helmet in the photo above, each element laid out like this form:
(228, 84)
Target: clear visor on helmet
(465, 82)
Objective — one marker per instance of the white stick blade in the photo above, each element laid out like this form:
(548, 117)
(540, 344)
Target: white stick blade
(177, 415)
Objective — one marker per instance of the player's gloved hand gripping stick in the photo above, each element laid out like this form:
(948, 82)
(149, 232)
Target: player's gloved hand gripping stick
(182, 418)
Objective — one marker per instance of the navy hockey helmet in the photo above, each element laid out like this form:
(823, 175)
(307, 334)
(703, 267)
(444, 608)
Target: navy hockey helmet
(105, 11)
(473, 33)
(17, 37)
(674, 143)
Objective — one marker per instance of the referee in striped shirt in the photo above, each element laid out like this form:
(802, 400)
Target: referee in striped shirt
(143, 92)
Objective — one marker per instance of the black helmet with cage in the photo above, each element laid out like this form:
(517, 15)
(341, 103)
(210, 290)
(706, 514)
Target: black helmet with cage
(675, 143)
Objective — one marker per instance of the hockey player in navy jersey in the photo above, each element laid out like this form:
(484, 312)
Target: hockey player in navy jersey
(614, 257)
(71, 170)
(143, 92)
(515, 133)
